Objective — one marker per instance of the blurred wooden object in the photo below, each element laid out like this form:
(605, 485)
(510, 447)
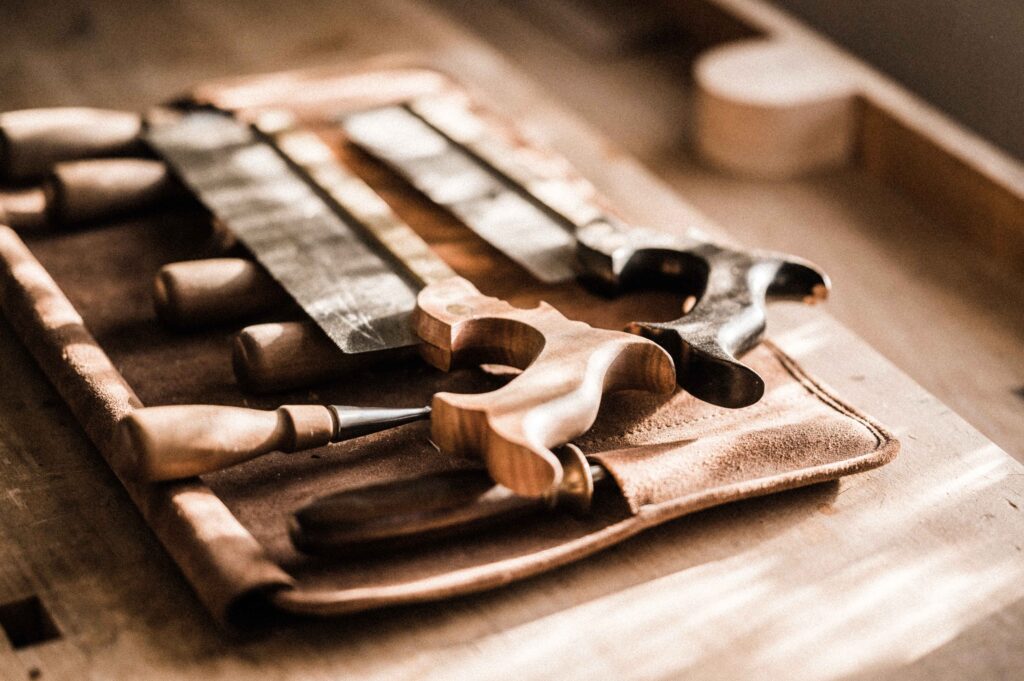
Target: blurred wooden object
(32, 140)
(788, 102)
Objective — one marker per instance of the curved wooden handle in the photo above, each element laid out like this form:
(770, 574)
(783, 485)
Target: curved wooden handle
(96, 189)
(729, 316)
(165, 443)
(198, 293)
(567, 367)
(395, 515)
(32, 140)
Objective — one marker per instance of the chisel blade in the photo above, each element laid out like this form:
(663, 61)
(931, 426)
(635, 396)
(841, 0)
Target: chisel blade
(322, 260)
(451, 177)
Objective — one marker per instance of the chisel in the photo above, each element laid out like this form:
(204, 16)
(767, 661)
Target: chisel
(401, 514)
(179, 441)
(88, 165)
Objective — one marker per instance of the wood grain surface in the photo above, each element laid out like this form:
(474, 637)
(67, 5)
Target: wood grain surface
(912, 571)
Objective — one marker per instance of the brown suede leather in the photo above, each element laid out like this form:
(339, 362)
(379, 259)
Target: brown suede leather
(228, 531)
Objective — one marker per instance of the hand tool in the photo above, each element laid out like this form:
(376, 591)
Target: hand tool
(33, 140)
(69, 151)
(444, 150)
(400, 514)
(179, 441)
(103, 188)
(309, 235)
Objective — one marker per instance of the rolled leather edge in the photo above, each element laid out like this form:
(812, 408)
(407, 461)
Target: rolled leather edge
(226, 566)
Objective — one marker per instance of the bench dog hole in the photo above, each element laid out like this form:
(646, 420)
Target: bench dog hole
(26, 622)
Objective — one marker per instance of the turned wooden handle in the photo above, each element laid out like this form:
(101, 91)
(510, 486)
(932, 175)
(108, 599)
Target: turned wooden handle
(165, 443)
(280, 356)
(200, 293)
(395, 515)
(567, 367)
(95, 189)
(32, 140)
(24, 209)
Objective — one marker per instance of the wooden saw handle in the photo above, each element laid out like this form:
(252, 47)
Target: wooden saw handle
(567, 367)
(32, 140)
(731, 288)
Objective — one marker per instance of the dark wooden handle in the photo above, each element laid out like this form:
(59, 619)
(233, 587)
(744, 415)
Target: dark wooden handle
(96, 189)
(165, 443)
(405, 513)
(212, 291)
(731, 287)
(32, 140)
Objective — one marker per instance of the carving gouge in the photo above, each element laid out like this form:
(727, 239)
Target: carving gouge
(165, 443)
(396, 515)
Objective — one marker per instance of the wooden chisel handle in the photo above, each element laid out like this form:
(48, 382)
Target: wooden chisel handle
(96, 189)
(395, 515)
(165, 443)
(32, 140)
(273, 357)
(198, 293)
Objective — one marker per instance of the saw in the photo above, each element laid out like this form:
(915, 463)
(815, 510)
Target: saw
(539, 214)
(333, 246)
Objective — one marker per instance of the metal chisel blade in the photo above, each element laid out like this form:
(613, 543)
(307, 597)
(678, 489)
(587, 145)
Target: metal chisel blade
(346, 287)
(484, 200)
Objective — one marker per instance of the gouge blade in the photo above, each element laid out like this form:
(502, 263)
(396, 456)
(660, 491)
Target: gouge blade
(486, 202)
(316, 254)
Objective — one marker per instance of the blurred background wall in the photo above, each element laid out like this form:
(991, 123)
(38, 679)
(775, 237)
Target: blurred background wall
(965, 56)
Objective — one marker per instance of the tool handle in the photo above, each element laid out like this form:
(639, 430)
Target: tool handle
(732, 287)
(165, 443)
(273, 357)
(395, 515)
(198, 293)
(32, 140)
(96, 189)
(567, 366)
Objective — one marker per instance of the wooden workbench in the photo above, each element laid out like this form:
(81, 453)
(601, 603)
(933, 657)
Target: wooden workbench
(915, 570)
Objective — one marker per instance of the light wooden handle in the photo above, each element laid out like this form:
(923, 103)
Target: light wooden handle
(567, 367)
(165, 443)
(81, 191)
(281, 356)
(32, 140)
(24, 209)
(200, 293)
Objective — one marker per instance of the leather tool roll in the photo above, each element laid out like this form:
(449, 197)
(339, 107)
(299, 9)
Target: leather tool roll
(228, 530)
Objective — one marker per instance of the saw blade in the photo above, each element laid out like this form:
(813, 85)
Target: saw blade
(316, 254)
(484, 200)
